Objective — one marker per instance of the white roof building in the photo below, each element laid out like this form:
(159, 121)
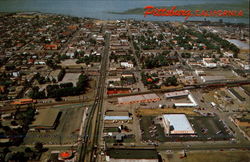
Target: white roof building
(176, 94)
(213, 78)
(177, 124)
(185, 93)
(127, 64)
(208, 62)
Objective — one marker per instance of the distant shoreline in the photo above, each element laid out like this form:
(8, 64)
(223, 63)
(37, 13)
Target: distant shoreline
(208, 6)
(126, 13)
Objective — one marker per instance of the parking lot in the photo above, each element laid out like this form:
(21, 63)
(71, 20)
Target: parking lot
(66, 132)
(206, 128)
(71, 77)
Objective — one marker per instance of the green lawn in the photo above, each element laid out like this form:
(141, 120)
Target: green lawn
(111, 129)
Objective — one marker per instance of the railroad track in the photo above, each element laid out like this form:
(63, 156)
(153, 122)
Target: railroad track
(89, 147)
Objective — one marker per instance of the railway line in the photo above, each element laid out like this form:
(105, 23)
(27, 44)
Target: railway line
(89, 147)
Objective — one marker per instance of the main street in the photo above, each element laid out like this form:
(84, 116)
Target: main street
(89, 147)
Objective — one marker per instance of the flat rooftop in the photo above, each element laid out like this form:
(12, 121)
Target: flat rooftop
(45, 118)
(213, 78)
(176, 94)
(138, 98)
(179, 122)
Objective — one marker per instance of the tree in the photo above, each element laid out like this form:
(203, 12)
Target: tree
(170, 81)
(92, 41)
(36, 94)
(39, 146)
(19, 156)
(28, 150)
(82, 82)
(61, 74)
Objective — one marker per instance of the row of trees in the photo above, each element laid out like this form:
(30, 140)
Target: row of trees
(61, 90)
(157, 61)
(152, 80)
(88, 59)
(122, 58)
(23, 156)
(224, 43)
(170, 81)
(61, 75)
(22, 118)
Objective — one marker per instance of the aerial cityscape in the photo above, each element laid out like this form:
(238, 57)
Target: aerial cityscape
(89, 89)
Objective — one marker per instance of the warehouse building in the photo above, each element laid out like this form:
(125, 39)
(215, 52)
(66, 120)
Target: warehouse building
(191, 99)
(117, 115)
(139, 99)
(46, 120)
(176, 94)
(213, 78)
(185, 93)
(177, 124)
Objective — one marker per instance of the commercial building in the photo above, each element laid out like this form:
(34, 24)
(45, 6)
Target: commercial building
(117, 115)
(185, 93)
(176, 94)
(127, 64)
(200, 72)
(111, 91)
(213, 78)
(192, 104)
(47, 119)
(139, 99)
(209, 62)
(177, 124)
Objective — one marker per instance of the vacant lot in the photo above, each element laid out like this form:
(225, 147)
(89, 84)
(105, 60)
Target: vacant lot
(158, 111)
(208, 156)
(236, 156)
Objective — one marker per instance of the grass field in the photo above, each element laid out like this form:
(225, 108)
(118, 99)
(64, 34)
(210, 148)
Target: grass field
(111, 129)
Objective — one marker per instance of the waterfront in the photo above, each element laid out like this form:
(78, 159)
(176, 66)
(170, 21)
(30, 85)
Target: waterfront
(101, 9)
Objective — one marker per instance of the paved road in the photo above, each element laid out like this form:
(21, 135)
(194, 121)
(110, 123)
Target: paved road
(92, 130)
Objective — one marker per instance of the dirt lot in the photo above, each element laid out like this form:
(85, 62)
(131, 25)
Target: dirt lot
(158, 111)
(226, 101)
(209, 156)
